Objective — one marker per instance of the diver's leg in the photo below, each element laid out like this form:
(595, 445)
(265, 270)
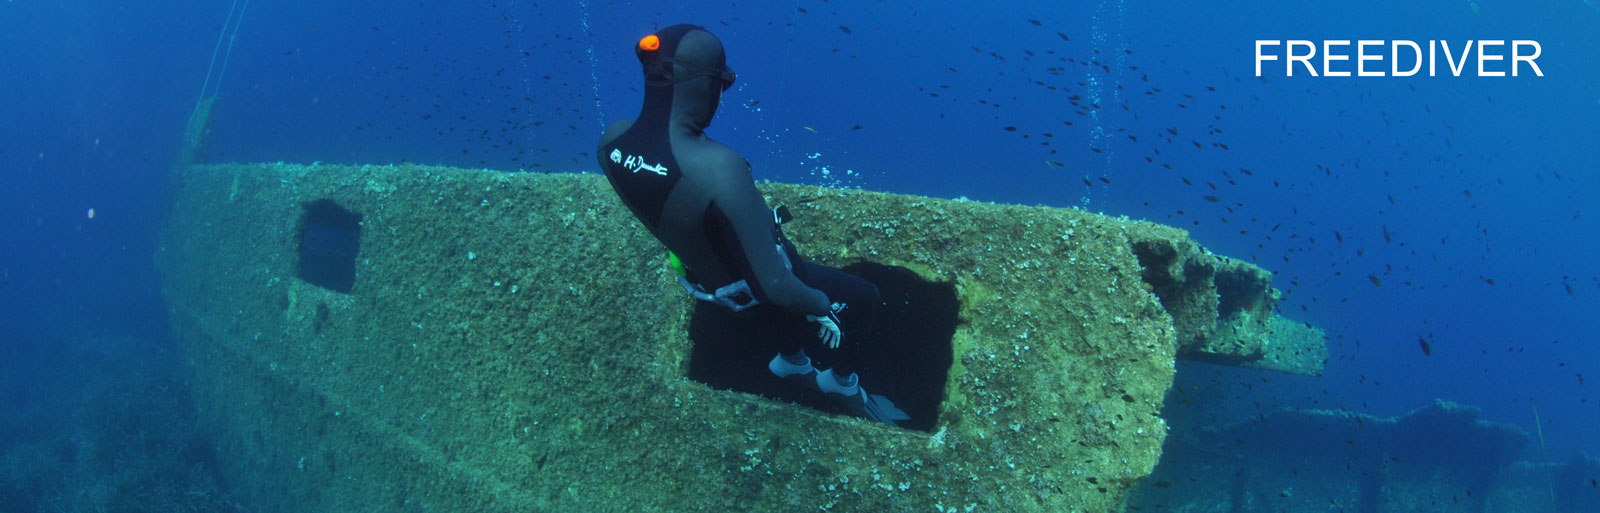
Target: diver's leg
(859, 301)
(790, 339)
(859, 296)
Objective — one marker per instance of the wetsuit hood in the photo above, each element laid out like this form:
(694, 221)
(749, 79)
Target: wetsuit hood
(685, 72)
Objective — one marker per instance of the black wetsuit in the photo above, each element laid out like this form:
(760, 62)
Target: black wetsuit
(698, 198)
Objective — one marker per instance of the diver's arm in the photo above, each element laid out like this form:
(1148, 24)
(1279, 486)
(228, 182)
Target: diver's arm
(752, 223)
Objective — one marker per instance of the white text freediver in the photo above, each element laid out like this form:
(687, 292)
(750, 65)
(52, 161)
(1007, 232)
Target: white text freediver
(1363, 58)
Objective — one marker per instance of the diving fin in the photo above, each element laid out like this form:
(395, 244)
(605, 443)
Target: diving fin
(873, 407)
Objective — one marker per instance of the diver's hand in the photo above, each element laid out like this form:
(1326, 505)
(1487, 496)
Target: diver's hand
(828, 329)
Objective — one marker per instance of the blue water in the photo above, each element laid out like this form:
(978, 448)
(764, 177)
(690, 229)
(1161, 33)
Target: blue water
(1469, 199)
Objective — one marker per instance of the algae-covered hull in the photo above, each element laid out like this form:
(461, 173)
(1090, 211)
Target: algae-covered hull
(511, 342)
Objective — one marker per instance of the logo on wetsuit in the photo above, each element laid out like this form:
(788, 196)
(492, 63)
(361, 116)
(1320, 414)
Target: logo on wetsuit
(636, 163)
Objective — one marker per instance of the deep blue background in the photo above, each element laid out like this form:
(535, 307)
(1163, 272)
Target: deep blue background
(1474, 179)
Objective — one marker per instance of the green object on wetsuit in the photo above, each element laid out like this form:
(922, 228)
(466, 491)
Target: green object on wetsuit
(676, 265)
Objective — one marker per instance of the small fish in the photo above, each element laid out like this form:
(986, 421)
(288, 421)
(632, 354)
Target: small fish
(1386, 237)
(844, 29)
(1427, 350)
(809, 129)
(1375, 281)
(1036, 23)
(1211, 198)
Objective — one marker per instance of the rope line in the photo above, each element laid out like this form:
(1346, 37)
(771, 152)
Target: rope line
(214, 51)
(783, 79)
(231, 37)
(229, 54)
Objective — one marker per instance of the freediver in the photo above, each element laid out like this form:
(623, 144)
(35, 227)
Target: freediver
(697, 197)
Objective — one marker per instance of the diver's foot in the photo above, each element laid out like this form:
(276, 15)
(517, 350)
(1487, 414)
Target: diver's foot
(793, 366)
(847, 390)
(833, 383)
